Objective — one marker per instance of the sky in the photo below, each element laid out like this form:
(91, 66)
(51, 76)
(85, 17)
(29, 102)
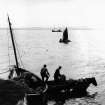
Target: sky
(50, 13)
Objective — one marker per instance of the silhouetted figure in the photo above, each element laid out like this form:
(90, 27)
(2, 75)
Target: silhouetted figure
(57, 75)
(44, 74)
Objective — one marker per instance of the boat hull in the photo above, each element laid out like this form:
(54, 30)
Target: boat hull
(64, 41)
(38, 98)
(58, 90)
(35, 89)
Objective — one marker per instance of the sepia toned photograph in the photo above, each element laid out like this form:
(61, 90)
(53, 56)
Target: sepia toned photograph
(52, 52)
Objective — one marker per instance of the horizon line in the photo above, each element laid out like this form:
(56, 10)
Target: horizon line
(52, 27)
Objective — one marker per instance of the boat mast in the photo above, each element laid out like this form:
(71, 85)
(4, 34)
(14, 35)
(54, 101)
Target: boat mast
(13, 43)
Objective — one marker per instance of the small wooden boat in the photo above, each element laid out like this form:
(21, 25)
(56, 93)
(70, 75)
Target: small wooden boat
(69, 88)
(56, 30)
(65, 37)
(34, 88)
(59, 86)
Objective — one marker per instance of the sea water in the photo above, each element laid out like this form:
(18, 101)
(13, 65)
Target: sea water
(81, 58)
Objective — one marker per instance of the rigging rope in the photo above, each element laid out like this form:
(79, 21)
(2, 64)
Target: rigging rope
(4, 72)
(18, 52)
(16, 48)
(9, 53)
(8, 48)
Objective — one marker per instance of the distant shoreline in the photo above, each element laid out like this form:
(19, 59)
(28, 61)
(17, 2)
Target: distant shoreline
(49, 28)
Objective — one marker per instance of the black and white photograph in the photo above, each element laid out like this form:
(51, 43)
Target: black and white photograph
(52, 52)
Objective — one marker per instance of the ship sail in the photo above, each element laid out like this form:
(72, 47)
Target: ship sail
(65, 34)
(65, 39)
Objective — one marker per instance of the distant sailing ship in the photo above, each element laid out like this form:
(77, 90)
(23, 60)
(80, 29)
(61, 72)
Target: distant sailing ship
(56, 30)
(65, 37)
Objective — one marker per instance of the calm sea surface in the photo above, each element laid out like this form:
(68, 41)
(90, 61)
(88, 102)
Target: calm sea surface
(83, 57)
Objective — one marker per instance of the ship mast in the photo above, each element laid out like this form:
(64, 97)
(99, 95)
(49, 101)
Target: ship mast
(14, 48)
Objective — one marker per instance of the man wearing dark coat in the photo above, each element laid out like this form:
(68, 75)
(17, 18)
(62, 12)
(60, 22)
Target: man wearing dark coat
(57, 74)
(44, 73)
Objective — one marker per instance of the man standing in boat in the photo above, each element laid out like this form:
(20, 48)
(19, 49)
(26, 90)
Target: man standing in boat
(57, 75)
(44, 73)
